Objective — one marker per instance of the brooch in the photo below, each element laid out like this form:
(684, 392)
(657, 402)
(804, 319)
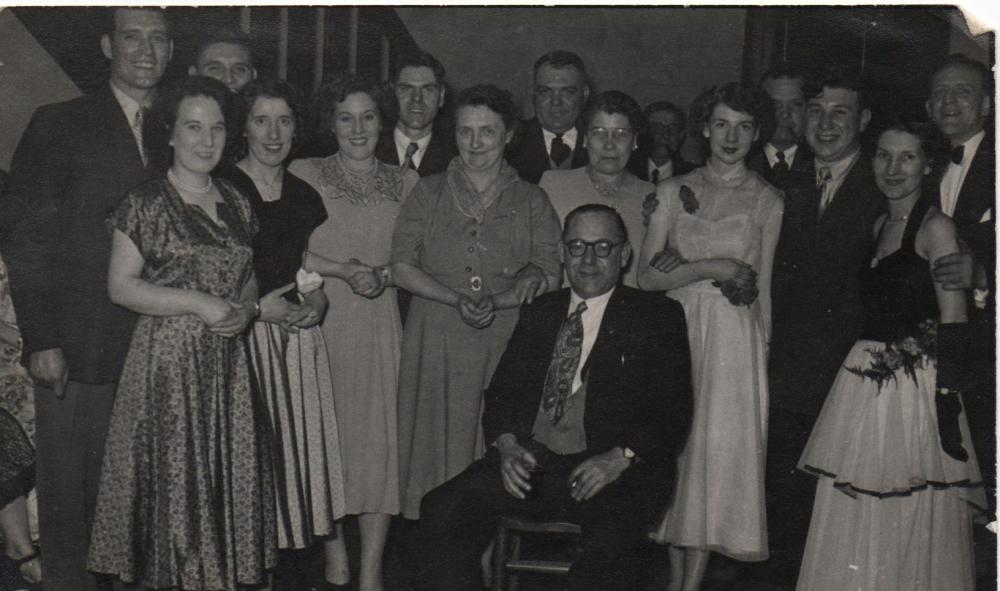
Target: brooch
(688, 199)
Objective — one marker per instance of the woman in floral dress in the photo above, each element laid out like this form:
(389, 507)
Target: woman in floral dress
(711, 244)
(186, 497)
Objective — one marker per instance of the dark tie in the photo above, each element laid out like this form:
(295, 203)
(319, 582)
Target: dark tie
(559, 151)
(140, 116)
(565, 358)
(824, 182)
(781, 166)
(957, 154)
(410, 151)
(654, 177)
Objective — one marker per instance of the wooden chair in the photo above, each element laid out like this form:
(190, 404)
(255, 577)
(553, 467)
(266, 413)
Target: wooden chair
(507, 560)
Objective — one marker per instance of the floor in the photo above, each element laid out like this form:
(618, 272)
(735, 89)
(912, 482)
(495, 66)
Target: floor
(302, 570)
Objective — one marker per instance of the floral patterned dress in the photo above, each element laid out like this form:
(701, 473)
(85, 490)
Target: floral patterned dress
(186, 498)
(17, 408)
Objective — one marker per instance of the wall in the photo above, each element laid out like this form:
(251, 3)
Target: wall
(29, 77)
(651, 53)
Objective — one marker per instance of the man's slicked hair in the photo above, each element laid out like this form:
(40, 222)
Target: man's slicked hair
(560, 59)
(597, 208)
(225, 35)
(838, 77)
(418, 59)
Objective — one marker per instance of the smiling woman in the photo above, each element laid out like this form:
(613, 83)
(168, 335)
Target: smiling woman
(362, 197)
(185, 458)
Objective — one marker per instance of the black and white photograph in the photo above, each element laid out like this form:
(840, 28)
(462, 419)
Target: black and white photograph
(478, 297)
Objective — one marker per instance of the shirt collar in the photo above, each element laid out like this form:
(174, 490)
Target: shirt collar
(403, 141)
(971, 146)
(128, 104)
(666, 171)
(772, 153)
(595, 304)
(839, 168)
(568, 138)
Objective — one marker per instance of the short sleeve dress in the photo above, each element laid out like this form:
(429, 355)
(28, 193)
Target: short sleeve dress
(291, 370)
(186, 497)
(446, 363)
(719, 503)
(362, 334)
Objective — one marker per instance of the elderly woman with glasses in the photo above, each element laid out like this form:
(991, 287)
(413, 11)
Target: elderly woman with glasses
(613, 123)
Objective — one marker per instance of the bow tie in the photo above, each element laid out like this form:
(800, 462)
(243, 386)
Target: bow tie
(957, 154)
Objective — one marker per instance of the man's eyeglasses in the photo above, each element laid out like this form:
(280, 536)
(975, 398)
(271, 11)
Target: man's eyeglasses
(601, 134)
(602, 248)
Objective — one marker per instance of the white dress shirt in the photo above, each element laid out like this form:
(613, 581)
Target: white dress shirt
(403, 142)
(772, 154)
(568, 138)
(954, 175)
(591, 320)
(666, 171)
(130, 106)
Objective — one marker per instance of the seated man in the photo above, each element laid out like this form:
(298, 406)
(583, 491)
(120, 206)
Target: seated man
(585, 415)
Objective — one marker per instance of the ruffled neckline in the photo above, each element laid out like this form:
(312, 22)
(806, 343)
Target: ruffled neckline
(371, 187)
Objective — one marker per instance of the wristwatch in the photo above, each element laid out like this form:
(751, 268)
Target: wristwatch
(629, 454)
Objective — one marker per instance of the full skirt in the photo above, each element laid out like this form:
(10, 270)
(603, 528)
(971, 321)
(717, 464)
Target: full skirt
(718, 503)
(292, 373)
(892, 510)
(186, 497)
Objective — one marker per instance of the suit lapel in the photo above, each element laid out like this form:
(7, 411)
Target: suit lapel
(116, 129)
(976, 195)
(580, 157)
(385, 151)
(609, 336)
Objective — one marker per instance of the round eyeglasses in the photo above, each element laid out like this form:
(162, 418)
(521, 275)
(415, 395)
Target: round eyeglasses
(602, 248)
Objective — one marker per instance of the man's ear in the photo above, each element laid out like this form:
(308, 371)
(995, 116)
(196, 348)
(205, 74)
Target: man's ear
(254, 70)
(927, 107)
(106, 45)
(984, 108)
(866, 117)
(562, 251)
(626, 254)
(441, 98)
(192, 70)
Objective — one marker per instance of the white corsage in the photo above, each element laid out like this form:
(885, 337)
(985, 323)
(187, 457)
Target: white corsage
(308, 281)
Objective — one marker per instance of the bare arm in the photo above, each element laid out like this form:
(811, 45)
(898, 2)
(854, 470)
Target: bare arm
(126, 288)
(935, 239)
(330, 268)
(651, 279)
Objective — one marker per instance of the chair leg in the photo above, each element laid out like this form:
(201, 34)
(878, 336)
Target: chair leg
(501, 548)
(513, 580)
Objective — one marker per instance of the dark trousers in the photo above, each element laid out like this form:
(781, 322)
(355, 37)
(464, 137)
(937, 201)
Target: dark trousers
(789, 496)
(70, 434)
(459, 518)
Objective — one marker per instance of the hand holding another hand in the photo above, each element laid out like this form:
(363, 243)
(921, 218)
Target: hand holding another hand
(476, 315)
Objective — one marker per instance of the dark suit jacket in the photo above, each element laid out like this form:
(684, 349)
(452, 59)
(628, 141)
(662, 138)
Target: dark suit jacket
(530, 156)
(639, 392)
(976, 197)
(440, 151)
(72, 166)
(639, 166)
(757, 161)
(816, 295)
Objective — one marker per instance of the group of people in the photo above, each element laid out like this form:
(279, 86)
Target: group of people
(241, 330)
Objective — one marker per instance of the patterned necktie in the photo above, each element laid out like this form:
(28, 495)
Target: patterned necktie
(410, 151)
(565, 359)
(654, 177)
(957, 154)
(140, 116)
(824, 182)
(781, 166)
(559, 151)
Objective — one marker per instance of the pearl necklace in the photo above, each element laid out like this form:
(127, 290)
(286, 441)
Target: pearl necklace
(901, 218)
(603, 189)
(178, 183)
